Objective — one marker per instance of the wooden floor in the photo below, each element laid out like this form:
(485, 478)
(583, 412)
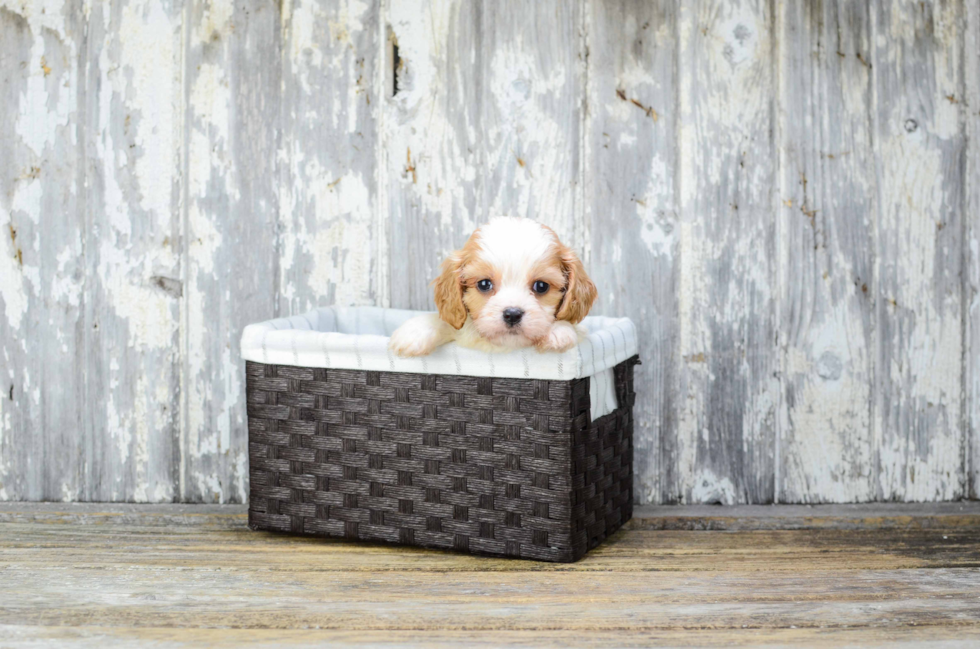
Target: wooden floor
(99, 575)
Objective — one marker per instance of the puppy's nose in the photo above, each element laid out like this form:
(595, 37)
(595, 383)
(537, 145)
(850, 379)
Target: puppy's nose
(512, 316)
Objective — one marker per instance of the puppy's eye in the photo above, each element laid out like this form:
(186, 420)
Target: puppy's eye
(484, 285)
(540, 287)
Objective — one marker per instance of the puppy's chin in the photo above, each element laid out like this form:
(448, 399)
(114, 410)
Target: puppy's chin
(509, 337)
(534, 327)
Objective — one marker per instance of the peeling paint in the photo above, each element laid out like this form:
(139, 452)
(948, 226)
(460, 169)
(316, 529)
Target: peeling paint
(12, 288)
(826, 217)
(971, 75)
(727, 410)
(40, 14)
(36, 100)
(803, 333)
(919, 379)
(232, 229)
(146, 26)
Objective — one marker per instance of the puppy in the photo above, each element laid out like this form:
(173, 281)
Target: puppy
(513, 284)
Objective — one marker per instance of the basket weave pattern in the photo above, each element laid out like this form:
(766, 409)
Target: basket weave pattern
(511, 467)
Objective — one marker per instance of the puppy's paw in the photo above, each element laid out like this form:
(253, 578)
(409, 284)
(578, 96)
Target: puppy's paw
(562, 337)
(417, 337)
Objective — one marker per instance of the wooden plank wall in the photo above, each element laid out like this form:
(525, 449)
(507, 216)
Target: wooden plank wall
(785, 197)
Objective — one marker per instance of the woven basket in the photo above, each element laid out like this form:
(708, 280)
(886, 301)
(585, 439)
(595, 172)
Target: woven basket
(498, 466)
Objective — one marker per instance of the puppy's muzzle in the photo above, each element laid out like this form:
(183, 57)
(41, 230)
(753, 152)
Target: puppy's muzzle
(512, 316)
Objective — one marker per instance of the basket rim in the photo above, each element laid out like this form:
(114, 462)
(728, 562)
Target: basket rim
(319, 339)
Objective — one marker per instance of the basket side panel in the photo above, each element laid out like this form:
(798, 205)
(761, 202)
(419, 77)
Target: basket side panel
(474, 464)
(602, 469)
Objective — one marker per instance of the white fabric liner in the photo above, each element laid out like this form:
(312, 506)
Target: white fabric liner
(357, 338)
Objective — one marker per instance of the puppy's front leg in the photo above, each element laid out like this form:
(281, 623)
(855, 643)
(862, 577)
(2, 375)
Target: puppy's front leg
(420, 335)
(562, 337)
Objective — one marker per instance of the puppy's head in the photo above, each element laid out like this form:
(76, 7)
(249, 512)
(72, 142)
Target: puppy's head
(514, 278)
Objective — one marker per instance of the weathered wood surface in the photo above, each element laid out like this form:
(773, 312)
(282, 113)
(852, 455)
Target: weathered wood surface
(88, 200)
(826, 216)
(97, 637)
(724, 446)
(919, 427)
(129, 119)
(779, 194)
(331, 236)
(177, 576)
(432, 141)
(899, 516)
(630, 180)
(29, 324)
(232, 127)
(971, 208)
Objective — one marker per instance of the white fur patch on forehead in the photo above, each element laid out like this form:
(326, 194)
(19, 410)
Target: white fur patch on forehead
(514, 245)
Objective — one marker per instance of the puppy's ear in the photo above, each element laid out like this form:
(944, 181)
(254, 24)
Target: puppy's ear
(449, 291)
(580, 292)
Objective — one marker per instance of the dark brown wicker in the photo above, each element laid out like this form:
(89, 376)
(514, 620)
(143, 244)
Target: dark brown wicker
(511, 467)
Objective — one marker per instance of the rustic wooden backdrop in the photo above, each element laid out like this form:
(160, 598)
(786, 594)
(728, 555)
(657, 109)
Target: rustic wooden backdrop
(785, 197)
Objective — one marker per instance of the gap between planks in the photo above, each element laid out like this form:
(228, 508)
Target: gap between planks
(872, 516)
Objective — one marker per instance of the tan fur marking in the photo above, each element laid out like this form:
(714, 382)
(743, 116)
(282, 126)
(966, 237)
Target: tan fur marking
(580, 293)
(449, 291)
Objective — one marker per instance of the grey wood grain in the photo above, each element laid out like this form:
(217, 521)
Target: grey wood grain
(168, 576)
(485, 121)
(919, 163)
(231, 244)
(41, 260)
(971, 249)
(432, 144)
(781, 195)
(530, 102)
(631, 207)
(129, 373)
(15, 430)
(826, 212)
(331, 235)
(729, 391)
